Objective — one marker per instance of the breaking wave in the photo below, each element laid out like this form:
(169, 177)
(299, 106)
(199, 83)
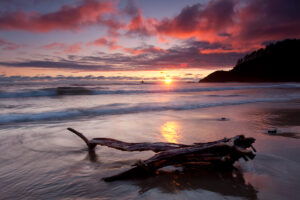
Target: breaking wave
(51, 92)
(117, 109)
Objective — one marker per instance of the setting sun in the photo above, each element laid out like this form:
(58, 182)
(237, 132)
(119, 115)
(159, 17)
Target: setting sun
(168, 80)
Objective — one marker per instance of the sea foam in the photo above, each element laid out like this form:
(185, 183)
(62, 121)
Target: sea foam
(117, 109)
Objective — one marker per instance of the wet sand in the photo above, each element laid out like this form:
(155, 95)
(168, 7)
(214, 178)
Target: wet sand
(45, 161)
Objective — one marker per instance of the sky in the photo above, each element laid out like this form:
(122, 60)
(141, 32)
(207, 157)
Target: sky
(139, 39)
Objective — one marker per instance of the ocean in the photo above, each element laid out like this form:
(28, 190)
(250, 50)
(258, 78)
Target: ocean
(40, 159)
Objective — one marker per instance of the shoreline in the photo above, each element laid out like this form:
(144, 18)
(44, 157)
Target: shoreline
(63, 169)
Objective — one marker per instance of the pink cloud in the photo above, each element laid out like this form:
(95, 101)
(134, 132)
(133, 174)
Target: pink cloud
(99, 42)
(240, 23)
(66, 18)
(199, 21)
(141, 26)
(110, 42)
(138, 24)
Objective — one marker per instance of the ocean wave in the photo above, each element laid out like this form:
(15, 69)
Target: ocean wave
(58, 91)
(117, 109)
(47, 92)
(229, 95)
(30, 93)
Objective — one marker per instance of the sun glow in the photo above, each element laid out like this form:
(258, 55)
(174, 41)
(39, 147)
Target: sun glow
(168, 80)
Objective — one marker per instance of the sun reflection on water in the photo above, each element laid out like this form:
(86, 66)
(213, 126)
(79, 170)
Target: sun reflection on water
(170, 131)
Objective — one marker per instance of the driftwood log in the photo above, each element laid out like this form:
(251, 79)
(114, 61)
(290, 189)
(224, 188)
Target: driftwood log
(221, 153)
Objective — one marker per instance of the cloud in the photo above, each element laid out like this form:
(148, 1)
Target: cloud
(66, 18)
(99, 42)
(73, 48)
(54, 45)
(62, 64)
(269, 20)
(218, 20)
(6, 45)
(141, 26)
(244, 24)
(62, 47)
(208, 35)
(205, 47)
(142, 58)
(131, 8)
(199, 21)
(144, 50)
(138, 25)
(189, 56)
(239, 22)
(23, 79)
(235, 21)
(110, 42)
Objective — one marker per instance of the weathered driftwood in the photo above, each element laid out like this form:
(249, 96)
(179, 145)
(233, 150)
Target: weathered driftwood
(124, 146)
(222, 153)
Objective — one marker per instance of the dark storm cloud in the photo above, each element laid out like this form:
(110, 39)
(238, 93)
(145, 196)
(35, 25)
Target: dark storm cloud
(270, 19)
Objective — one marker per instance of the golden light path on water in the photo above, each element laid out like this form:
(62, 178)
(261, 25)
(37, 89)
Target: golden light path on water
(170, 131)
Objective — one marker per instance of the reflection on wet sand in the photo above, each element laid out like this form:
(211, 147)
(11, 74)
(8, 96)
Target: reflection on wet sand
(170, 131)
(229, 183)
(275, 121)
(286, 134)
(284, 117)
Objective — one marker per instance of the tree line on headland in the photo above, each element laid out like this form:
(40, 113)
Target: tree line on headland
(277, 62)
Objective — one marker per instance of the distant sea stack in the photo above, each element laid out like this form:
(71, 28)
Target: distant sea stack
(277, 62)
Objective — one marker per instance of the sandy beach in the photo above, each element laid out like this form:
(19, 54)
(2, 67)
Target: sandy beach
(42, 160)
